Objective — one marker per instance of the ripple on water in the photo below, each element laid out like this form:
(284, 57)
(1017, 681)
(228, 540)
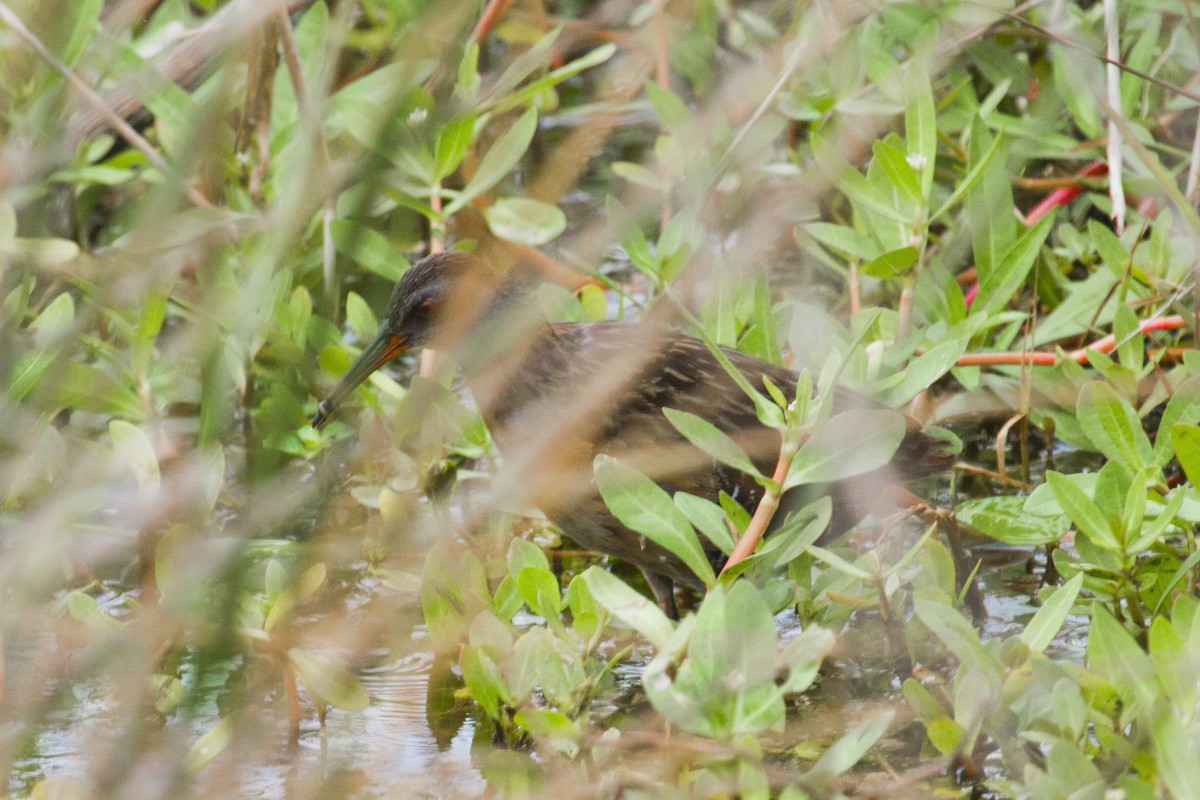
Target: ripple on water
(392, 741)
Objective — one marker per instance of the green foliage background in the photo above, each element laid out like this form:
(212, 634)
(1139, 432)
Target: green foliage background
(204, 209)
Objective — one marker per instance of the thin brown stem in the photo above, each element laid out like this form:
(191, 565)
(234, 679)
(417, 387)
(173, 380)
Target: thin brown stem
(293, 697)
(1005, 479)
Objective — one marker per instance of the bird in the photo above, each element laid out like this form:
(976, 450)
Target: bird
(554, 395)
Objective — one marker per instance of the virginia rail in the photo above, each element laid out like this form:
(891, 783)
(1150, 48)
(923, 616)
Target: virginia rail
(554, 395)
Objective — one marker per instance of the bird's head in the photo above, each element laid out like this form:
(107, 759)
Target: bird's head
(436, 301)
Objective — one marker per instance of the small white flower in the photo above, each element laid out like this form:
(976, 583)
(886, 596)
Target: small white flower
(916, 161)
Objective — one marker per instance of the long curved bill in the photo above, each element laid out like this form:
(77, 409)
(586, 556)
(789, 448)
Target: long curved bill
(383, 349)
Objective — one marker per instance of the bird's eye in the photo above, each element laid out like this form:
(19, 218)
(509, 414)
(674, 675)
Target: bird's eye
(426, 308)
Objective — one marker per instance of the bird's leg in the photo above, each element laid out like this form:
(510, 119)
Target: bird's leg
(664, 592)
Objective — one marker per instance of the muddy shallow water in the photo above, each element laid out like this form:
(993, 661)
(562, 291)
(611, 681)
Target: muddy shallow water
(420, 738)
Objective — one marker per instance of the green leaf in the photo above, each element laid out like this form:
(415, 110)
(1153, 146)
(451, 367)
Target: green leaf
(629, 607)
(594, 303)
(467, 84)
(1113, 426)
(1150, 534)
(1109, 247)
(507, 600)
(706, 517)
(1169, 654)
(54, 322)
(1131, 350)
(851, 443)
(640, 175)
(897, 170)
(359, 315)
(976, 696)
(499, 160)
(854, 184)
(1086, 515)
(892, 263)
(483, 678)
(8, 222)
(523, 553)
(523, 220)
(41, 251)
(848, 241)
(837, 562)
(1114, 655)
(368, 248)
(83, 608)
(49, 330)
(1174, 748)
(799, 530)
(452, 143)
(544, 657)
(849, 750)
(1006, 519)
(711, 439)
(530, 91)
(997, 289)
(801, 657)
(453, 590)
(927, 707)
(134, 450)
(551, 729)
(90, 387)
(926, 368)
(920, 125)
(945, 735)
(539, 588)
(1186, 441)
(1069, 77)
(1179, 574)
(579, 598)
(331, 682)
(1184, 406)
(1134, 510)
(521, 67)
(731, 665)
(211, 744)
(1049, 619)
(645, 507)
(956, 632)
(989, 202)
(673, 112)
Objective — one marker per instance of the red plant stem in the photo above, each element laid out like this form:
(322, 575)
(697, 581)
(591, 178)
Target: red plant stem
(488, 18)
(1104, 344)
(1065, 194)
(971, 293)
(1057, 197)
(766, 508)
